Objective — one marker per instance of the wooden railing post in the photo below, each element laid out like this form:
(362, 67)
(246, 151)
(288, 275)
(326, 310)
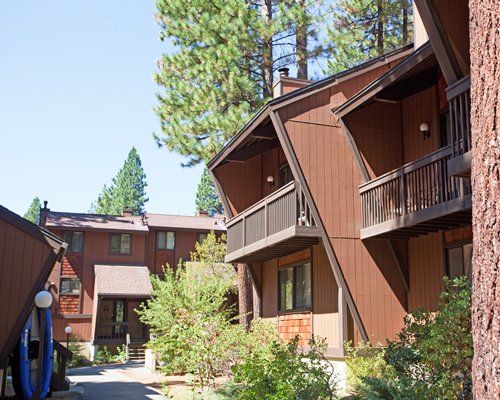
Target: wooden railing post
(402, 188)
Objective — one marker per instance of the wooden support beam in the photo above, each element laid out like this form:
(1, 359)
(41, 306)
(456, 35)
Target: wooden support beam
(253, 150)
(439, 41)
(265, 132)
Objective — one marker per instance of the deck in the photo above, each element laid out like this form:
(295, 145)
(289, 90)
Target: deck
(279, 224)
(417, 198)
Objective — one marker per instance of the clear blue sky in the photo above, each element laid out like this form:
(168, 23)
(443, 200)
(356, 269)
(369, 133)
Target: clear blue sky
(76, 93)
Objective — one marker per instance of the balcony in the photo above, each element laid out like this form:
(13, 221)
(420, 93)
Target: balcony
(458, 95)
(417, 198)
(279, 224)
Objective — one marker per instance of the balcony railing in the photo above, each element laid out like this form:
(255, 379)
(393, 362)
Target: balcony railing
(112, 330)
(408, 197)
(281, 215)
(459, 98)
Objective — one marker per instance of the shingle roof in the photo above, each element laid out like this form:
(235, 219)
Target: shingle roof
(123, 280)
(67, 220)
(95, 221)
(186, 222)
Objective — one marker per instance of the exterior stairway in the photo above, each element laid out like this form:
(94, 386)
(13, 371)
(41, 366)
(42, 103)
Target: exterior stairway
(136, 350)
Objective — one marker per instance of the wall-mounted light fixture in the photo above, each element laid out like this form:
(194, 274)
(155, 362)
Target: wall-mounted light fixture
(424, 129)
(270, 180)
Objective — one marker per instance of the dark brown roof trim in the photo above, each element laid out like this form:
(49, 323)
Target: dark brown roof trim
(385, 80)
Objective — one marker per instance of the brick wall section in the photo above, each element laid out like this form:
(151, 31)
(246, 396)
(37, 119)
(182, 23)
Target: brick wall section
(164, 257)
(300, 324)
(72, 265)
(69, 304)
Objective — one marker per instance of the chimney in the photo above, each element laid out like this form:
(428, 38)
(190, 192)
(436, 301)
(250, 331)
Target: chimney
(203, 213)
(43, 214)
(286, 84)
(127, 212)
(419, 33)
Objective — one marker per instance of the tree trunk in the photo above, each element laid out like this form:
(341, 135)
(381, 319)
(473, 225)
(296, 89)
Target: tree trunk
(380, 27)
(405, 22)
(245, 300)
(267, 50)
(301, 42)
(485, 121)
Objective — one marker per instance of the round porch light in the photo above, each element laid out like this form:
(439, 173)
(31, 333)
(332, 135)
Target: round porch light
(270, 180)
(43, 299)
(68, 330)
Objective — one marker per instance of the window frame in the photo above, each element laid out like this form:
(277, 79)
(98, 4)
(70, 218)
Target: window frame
(294, 267)
(166, 240)
(459, 244)
(72, 278)
(69, 249)
(285, 171)
(120, 252)
(204, 234)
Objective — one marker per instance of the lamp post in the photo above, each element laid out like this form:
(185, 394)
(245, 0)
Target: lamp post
(68, 331)
(43, 300)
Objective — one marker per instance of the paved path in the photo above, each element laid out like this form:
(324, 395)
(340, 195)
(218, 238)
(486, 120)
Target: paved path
(119, 381)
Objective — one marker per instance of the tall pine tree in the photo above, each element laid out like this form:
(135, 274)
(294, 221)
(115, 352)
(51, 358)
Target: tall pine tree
(206, 196)
(33, 213)
(128, 189)
(365, 29)
(222, 70)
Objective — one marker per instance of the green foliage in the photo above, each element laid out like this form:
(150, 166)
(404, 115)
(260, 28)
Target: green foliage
(221, 71)
(121, 355)
(103, 356)
(365, 29)
(190, 316)
(282, 371)
(364, 361)
(78, 359)
(206, 196)
(33, 213)
(128, 189)
(211, 251)
(432, 357)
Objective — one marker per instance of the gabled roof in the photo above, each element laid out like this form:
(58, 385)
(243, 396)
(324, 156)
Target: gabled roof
(420, 60)
(185, 222)
(263, 114)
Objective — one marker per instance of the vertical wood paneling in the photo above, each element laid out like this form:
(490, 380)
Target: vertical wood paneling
(184, 245)
(421, 107)
(270, 288)
(427, 269)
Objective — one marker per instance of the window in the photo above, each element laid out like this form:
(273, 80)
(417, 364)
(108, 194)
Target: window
(165, 240)
(459, 261)
(285, 175)
(201, 237)
(74, 240)
(120, 243)
(70, 286)
(294, 287)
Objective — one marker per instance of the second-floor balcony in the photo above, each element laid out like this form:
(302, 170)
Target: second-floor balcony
(417, 198)
(277, 225)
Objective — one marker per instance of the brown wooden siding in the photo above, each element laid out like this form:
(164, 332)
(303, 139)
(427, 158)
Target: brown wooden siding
(23, 258)
(379, 140)
(421, 107)
(333, 177)
(81, 328)
(427, 269)
(184, 245)
(459, 234)
(270, 288)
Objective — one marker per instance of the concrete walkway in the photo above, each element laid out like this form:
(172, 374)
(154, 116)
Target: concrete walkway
(119, 381)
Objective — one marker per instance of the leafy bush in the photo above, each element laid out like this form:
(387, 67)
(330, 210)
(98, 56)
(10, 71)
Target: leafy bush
(103, 356)
(432, 357)
(284, 371)
(78, 359)
(365, 361)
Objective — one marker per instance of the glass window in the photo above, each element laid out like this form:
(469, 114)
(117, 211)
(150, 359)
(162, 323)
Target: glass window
(70, 286)
(459, 261)
(201, 237)
(295, 287)
(120, 243)
(74, 240)
(285, 175)
(165, 240)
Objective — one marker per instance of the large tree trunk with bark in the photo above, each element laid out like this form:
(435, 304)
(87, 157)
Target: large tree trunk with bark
(301, 43)
(485, 120)
(267, 51)
(245, 298)
(380, 27)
